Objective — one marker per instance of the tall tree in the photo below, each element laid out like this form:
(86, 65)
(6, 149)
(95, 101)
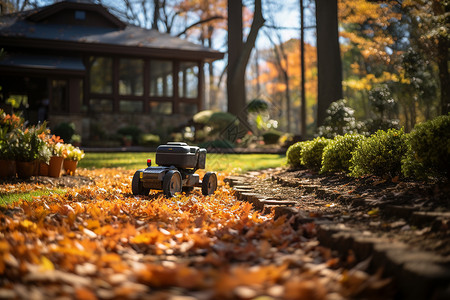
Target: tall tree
(282, 65)
(239, 54)
(434, 19)
(329, 65)
(302, 72)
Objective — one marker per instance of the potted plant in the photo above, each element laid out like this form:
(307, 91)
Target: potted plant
(9, 124)
(72, 155)
(30, 148)
(56, 145)
(44, 159)
(8, 145)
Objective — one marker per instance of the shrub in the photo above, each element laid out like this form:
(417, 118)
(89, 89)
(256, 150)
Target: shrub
(293, 154)
(340, 120)
(337, 154)
(428, 149)
(311, 153)
(149, 139)
(257, 106)
(130, 131)
(271, 137)
(380, 154)
(65, 131)
(384, 109)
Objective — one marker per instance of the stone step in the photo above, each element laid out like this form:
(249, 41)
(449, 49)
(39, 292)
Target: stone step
(419, 274)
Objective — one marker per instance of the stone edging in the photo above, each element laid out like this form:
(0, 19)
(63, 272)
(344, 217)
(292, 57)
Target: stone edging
(418, 274)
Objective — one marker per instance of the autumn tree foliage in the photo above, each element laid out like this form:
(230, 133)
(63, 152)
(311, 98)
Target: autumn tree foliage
(396, 44)
(274, 85)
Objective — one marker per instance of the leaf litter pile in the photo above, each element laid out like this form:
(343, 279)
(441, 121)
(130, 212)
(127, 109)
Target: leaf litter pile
(99, 241)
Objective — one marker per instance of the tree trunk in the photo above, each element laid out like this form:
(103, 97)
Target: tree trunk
(239, 54)
(235, 80)
(302, 73)
(212, 87)
(155, 14)
(444, 78)
(329, 67)
(440, 10)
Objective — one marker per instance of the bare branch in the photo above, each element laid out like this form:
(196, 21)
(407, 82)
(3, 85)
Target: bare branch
(200, 22)
(270, 26)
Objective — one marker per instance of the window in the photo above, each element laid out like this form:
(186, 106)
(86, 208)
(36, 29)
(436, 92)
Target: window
(188, 80)
(128, 106)
(131, 80)
(101, 75)
(161, 78)
(101, 105)
(80, 15)
(164, 108)
(59, 100)
(188, 108)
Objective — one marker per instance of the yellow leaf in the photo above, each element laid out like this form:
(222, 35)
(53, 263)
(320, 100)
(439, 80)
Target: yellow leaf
(29, 225)
(373, 212)
(46, 264)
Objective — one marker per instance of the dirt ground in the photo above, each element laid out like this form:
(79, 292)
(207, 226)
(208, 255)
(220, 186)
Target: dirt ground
(416, 213)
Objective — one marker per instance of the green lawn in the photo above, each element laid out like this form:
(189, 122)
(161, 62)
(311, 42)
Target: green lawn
(13, 197)
(238, 163)
(232, 163)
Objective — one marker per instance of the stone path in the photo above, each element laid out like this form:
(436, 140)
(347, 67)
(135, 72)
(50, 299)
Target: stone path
(404, 241)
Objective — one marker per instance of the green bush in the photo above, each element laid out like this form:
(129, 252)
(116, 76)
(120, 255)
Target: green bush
(428, 149)
(293, 154)
(271, 137)
(257, 106)
(311, 153)
(65, 131)
(133, 131)
(340, 120)
(149, 139)
(337, 154)
(380, 154)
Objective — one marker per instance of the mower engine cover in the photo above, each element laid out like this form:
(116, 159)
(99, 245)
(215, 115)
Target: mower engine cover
(181, 155)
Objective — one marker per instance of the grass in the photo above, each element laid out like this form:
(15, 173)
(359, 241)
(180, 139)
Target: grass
(13, 197)
(233, 163)
(216, 162)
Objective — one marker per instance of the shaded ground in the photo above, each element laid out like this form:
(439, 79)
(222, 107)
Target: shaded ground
(382, 206)
(400, 227)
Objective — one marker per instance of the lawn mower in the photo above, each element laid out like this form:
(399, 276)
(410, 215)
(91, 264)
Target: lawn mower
(177, 163)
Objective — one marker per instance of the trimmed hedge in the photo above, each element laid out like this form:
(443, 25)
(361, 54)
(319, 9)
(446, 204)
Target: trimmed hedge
(380, 154)
(293, 154)
(311, 152)
(428, 149)
(337, 154)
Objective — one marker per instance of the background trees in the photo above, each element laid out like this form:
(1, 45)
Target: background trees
(398, 46)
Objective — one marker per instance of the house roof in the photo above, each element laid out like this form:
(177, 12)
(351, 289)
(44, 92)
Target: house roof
(49, 63)
(31, 29)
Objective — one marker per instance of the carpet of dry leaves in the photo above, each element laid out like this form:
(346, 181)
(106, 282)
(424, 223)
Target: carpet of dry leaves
(98, 241)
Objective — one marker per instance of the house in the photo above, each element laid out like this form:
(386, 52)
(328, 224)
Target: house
(74, 61)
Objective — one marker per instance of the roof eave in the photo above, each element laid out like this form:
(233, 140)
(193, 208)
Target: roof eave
(110, 49)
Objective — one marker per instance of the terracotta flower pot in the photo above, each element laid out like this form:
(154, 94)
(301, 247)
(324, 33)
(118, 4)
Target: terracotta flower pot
(70, 166)
(43, 169)
(25, 169)
(7, 168)
(55, 166)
